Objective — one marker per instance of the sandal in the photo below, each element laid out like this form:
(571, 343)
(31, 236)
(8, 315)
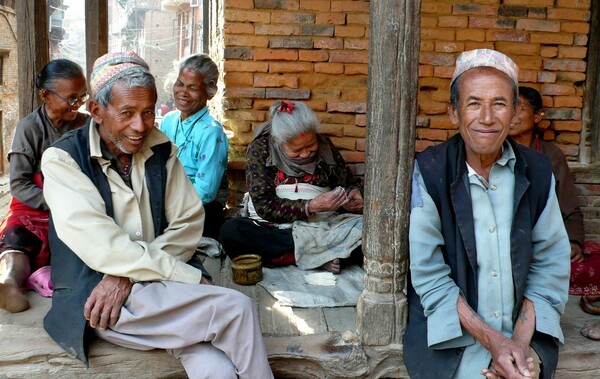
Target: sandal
(587, 304)
(40, 282)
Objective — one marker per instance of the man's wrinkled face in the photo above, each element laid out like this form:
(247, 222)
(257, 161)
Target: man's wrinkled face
(485, 110)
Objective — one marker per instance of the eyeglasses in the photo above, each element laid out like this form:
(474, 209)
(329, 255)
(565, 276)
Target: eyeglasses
(72, 100)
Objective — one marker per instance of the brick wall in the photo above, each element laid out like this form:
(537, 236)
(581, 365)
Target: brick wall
(9, 98)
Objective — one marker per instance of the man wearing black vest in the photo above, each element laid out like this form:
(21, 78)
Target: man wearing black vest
(125, 220)
(489, 255)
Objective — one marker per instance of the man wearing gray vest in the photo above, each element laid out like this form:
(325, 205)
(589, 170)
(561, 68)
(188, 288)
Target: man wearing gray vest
(125, 222)
(489, 254)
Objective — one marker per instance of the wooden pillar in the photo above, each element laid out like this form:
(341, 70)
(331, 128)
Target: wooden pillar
(591, 99)
(391, 119)
(33, 48)
(96, 31)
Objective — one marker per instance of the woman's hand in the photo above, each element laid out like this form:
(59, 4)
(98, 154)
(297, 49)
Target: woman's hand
(355, 202)
(328, 201)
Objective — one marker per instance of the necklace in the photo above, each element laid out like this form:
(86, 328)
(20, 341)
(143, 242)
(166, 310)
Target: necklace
(186, 140)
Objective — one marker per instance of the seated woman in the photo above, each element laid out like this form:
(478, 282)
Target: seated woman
(24, 230)
(200, 138)
(585, 257)
(303, 199)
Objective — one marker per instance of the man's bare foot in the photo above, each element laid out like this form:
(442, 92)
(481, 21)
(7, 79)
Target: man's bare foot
(12, 299)
(591, 331)
(332, 266)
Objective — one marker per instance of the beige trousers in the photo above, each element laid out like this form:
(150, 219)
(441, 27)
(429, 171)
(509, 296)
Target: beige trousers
(213, 331)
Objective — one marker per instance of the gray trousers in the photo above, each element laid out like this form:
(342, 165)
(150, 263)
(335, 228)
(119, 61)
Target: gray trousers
(213, 331)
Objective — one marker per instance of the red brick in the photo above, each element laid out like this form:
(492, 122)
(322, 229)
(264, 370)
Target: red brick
(275, 54)
(449, 47)
(331, 18)
(436, 7)
(437, 59)
(425, 70)
(453, 22)
(529, 2)
(568, 14)
(572, 52)
(432, 134)
(357, 18)
(571, 126)
(432, 107)
(348, 57)
(329, 68)
(527, 62)
(433, 84)
(292, 18)
(315, 5)
(351, 6)
(427, 46)
(570, 76)
(538, 25)
(471, 9)
(245, 66)
(247, 16)
(245, 92)
(568, 101)
(290, 43)
(506, 35)
(270, 80)
(331, 129)
(428, 22)
(347, 107)
(360, 120)
(354, 131)
(580, 40)
(241, 4)
(283, 93)
(575, 27)
(245, 115)
(583, 4)
(564, 65)
(276, 4)
(491, 23)
(439, 34)
(239, 126)
(313, 55)
(361, 144)
(237, 103)
(286, 67)
(238, 78)
(356, 69)
(548, 51)
(537, 12)
(443, 71)
(441, 95)
(469, 35)
(546, 77)
(239, 28)
(353, 156)
(421, 145)
(557, 90)
(470, 45)
(246, 41)
(528, 76)
(551, 38)
(277, 29)
(329, 43)
(511, 48)
(441, 122)
(356, 44)
(349, 31)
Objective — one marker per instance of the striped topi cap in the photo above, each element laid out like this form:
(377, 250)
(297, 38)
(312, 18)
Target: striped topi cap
(486, 58)
(113, 66)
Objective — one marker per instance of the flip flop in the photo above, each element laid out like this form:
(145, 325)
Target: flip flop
(40, 282)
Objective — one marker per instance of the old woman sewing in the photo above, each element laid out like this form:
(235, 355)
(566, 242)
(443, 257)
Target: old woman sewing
(303, 200)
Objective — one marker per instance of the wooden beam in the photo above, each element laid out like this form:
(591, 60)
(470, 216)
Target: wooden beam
(591, 101)
(33, 50)
(96, 31)
(391, 119)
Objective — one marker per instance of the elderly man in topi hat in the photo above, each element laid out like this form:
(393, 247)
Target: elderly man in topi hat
(489, 255)
(125, 222)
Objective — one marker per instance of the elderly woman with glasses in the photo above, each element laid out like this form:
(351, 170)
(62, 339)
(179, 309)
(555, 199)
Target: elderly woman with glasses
(24, 230)
(304, 205)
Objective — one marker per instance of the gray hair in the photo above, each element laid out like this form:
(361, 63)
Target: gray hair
(203, 65)
(137, 77)
(286, 126)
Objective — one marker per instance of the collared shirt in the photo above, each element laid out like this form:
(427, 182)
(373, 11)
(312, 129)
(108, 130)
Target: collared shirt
(125, 246)
(202, 148)
(492, 217)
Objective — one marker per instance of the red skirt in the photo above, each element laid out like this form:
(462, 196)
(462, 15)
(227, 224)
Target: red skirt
(585, 276)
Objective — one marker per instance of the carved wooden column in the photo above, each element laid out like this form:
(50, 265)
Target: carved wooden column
(391, 119)
(96, 31)
(33, 49)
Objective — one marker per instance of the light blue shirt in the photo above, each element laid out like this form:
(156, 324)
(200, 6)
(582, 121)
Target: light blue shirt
(547, 281)
(202, 150)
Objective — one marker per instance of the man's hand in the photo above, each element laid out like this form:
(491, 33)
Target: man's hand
(509, 360)
(328, 201)
(103, 307)
(355, 202)
(576, 253)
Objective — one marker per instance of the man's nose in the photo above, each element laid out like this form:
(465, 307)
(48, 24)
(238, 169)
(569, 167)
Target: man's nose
(486, 114)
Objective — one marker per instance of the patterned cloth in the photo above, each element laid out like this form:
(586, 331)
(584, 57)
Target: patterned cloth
(113, 66)
(585, 276)
(486, 58)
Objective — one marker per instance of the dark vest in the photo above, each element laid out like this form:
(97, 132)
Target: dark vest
(444, 172)
(73, 280)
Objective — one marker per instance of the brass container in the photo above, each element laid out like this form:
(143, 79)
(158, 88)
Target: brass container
(247, 269)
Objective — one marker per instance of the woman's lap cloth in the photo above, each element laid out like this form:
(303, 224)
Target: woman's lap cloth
(214, 331)
(26, 229)
(585, 276)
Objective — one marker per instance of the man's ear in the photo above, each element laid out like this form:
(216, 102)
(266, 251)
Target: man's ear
(453, 114)
(96, 111)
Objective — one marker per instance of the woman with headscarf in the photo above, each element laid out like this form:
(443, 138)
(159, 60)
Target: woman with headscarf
(200, 138)
(303, 200)
(62, 86)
